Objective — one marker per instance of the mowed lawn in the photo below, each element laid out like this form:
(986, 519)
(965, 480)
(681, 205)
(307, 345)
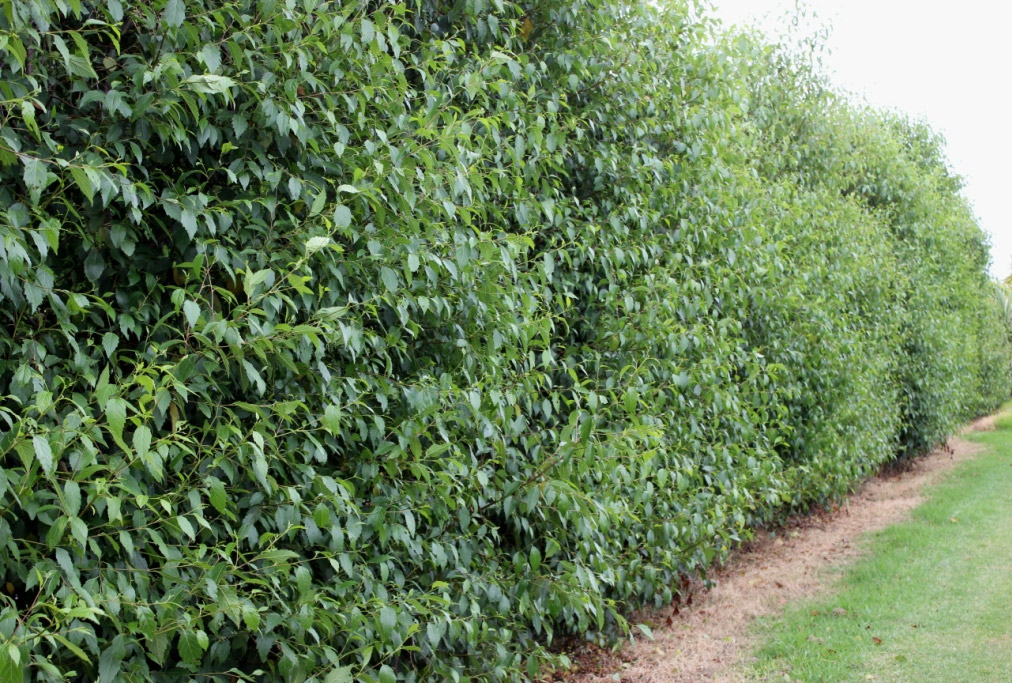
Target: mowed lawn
(931, 602)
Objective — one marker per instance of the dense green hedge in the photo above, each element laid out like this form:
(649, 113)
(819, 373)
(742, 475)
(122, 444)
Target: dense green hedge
(383, 340)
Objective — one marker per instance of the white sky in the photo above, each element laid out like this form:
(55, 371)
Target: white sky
(946, 62)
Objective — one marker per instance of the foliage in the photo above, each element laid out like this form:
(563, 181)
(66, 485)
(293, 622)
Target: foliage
(382, 340)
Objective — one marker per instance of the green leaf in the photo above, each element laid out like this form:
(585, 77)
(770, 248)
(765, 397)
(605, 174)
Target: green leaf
(413, 263)
(36, 174)
(255, 279)
(110, 341)
(340, 675)
(315, 244)
(303, 580)
(188, 219)
(389, 278)
(368, 31)
(210, 84)
(28, 116)
(342, 216)
(387, 675)
(83, 182)
(175, 13)
(115, 10)
(79, 530)
(186, 527)
(211, 55)
(191, 311)
(251, 619)
(435, 633)
(10, 668)
(332, 419)
(43, 453)
(94, 265)
(142, 441)
(68, 567)
(216, 495)
(72, 498)
(191, 647)
(318, 203)
(73, 649)
(110, 661)
(115, 414)
(387, 622)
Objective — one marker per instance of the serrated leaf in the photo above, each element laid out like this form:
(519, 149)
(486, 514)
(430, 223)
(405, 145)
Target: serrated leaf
(110, 342)
(303, 580)
(188, 219)
(332, 419)
(189, 647)
(413, 263)
(79, 530)
(255, 279)
(191, 310)
(186, 527)
(216, 495)
(318, 203)
(142, 441)
(239, 125)
(72, 497)
(110, 661)
(36, 174)
(83, 182)
(342, 216)
(260, 469)
(211, 55)
(115, 10)
(10, 670)
(389, 278)
(210, 84)
(315, 244)
(67, 565)
(340, 675)
(73, 649)
(251, 619)
(368, 31)
(115, 414)
(43, 453)
(435, 633)
(387, 621)
(94, 265)
(175, 13)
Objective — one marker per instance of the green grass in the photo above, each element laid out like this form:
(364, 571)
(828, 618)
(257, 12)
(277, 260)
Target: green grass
(931, 602)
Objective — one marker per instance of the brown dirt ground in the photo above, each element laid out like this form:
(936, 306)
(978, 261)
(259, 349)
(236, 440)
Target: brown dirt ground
(709, 638)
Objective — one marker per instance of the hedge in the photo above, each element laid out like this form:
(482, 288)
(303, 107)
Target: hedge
(392, 340)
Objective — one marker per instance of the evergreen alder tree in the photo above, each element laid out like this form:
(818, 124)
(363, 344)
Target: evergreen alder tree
(384, 340)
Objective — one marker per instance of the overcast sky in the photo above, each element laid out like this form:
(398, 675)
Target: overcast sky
(946, 62)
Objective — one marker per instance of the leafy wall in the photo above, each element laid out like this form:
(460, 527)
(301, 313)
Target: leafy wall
(390, 340)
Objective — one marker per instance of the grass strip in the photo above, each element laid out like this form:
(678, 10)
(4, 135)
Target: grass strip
(931, 602)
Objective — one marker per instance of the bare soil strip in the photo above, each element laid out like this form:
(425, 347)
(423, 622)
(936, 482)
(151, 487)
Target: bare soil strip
(708, 639)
